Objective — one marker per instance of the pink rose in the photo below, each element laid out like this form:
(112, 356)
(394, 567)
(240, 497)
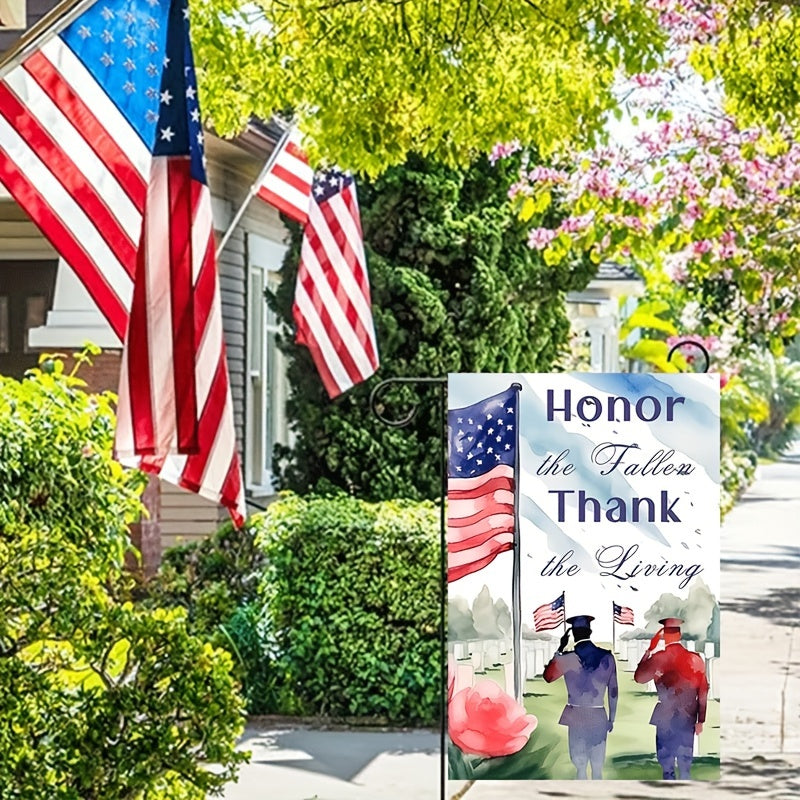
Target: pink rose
(484, 720)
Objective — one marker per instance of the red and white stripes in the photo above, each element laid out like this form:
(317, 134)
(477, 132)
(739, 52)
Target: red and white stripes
(73, 162)
(332, 307)
(287, 183)
(480, 520)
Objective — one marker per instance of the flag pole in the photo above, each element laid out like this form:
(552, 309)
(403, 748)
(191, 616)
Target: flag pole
(564, 607)
(254, 189)
(613, 629)
(516, 593)
(53, 22)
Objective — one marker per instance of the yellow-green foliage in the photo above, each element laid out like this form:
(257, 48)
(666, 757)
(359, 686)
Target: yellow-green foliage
(98, 698)
(374, 81)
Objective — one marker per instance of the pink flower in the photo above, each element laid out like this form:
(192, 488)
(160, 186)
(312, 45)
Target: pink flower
(504, 150)
(539, 238)
(484, 720)
(723, 380)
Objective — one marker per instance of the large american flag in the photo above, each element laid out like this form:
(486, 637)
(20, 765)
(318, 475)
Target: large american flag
(332, 307)
(550, 615)
(101, 144)
(623, 615)
(481, 482)
(287, 180)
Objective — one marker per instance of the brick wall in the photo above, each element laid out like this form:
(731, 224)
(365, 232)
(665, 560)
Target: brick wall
(101, 376)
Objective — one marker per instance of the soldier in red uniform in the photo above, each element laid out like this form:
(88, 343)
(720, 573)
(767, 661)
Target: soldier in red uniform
(680, 678)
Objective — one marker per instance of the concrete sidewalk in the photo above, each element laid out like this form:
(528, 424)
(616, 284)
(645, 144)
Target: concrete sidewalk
(760, 698)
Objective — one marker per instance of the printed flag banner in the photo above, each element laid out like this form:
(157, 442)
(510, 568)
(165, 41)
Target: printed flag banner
(583, 577)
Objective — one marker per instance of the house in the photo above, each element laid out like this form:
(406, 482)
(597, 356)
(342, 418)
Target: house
(595, 312)
(44, 308)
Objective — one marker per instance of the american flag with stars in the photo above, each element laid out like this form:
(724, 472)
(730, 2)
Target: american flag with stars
(549, 615)
(101, 144)
(623, 615)
(482, 482)
(332, 306)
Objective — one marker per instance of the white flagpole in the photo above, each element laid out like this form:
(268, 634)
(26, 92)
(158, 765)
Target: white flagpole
(254, 189)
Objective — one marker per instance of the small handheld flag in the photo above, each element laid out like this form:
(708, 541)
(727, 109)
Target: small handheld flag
(623, 615)
(550, 615)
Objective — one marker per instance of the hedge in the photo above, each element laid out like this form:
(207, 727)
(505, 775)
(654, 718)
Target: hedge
(351, 592)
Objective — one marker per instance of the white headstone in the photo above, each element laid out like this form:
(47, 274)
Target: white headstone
(477, 661)
(539, 661)
(530, 665)
(492, 653)
(464, 676)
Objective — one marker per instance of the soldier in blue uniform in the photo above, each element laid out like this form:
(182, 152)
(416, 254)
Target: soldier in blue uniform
(589, 672)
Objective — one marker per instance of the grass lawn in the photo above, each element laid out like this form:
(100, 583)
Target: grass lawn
(630, 749)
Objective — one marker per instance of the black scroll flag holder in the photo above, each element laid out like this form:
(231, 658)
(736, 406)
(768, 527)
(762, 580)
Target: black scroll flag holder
(377, 409)
(402, 422)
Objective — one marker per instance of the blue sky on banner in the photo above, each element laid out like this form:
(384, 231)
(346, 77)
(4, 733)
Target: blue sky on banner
(543, 535)
(123, 45)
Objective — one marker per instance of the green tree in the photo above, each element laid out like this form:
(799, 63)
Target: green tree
(455, 288)
(373, 81)
(98, 698)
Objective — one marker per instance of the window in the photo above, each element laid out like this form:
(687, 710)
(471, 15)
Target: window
(266, 370)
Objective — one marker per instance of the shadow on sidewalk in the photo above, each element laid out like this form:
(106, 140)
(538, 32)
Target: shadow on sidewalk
(777, 606)
(339, 754)
(777, 557)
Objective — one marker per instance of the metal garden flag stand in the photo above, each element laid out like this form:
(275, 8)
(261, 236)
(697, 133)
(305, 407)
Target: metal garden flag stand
(376, 396)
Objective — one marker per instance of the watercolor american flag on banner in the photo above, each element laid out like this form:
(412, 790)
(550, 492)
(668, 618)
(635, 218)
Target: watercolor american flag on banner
(481, 482)
(99, 138)
(623, 614)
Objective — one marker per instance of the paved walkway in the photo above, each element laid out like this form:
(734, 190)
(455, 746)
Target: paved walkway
(760, 699)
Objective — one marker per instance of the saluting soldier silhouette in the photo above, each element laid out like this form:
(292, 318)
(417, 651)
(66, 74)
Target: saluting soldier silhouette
(680, 678)
(589, 672)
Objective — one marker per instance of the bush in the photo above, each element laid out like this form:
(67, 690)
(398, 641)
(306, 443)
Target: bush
(776, 381)
(351, 594)
(216, 582)
(98, 698)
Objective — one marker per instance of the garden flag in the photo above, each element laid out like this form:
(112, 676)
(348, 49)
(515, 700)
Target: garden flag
(287, 179)
(332, 307)
(101, 144)
(616, 486)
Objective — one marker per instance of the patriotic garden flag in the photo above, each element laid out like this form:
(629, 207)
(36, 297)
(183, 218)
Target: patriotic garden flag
(615, 482)
(101, 144)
